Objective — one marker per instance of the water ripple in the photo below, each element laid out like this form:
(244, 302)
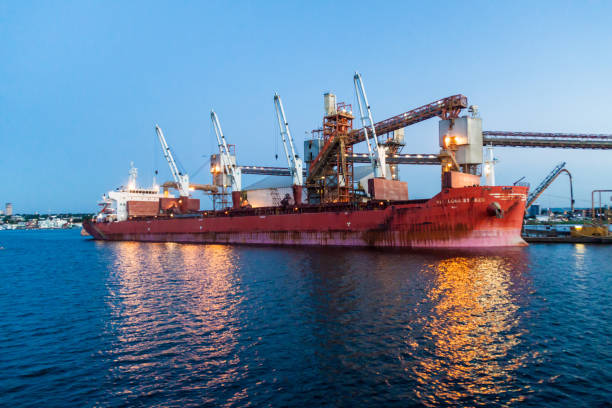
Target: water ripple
(132, 324)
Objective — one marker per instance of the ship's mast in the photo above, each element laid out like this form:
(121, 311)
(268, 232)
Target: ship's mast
(133, 176)
(489, 166)
(375, 151)
(181, 180)
(293, 160)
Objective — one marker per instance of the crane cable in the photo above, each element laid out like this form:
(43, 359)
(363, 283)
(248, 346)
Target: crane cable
(195, 173)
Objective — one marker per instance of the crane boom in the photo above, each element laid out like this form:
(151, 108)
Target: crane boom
(181, 180)
(446, 108)
(230, 168)
(293, 160)
(375, 151)
(533, 196)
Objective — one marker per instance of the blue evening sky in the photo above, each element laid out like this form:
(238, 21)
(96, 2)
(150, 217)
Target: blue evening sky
(82, 84)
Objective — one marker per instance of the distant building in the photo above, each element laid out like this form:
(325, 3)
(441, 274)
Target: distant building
(8, 209)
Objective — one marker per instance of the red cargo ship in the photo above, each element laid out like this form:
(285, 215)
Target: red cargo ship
(455, 218)
(338, 211)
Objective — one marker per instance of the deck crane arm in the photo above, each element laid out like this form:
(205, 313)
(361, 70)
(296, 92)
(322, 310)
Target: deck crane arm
(230, 168)
(294, 161)
(182, 180)
(375, 151)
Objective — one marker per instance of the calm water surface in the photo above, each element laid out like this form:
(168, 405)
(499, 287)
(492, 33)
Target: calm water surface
(87, 323)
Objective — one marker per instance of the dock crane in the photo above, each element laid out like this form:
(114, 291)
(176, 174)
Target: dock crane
(229, 166)
(293, 160)
(560, 168)
(375, 151)
(181, 180)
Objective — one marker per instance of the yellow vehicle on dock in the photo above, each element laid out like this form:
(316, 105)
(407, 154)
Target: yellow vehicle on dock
(590, 231)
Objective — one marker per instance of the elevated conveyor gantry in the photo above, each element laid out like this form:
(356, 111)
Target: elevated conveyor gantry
(419, 159)
(556, 140)
(446, 108)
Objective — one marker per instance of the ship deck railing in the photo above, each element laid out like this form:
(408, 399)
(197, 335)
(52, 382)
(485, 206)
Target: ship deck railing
(372, 205)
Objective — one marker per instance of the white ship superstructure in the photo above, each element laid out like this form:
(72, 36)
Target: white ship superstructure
(115, 202)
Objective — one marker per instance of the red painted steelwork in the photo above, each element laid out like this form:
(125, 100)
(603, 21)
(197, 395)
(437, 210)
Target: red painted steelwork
(297, 195)
(236, 200)
(179, 205)
(383, 189)
(456, 179)
(142, 208)
(453, 218)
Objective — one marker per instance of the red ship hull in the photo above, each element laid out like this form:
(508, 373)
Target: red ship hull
(466, 217)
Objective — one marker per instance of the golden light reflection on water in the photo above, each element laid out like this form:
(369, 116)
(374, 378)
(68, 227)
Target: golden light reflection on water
(180, 305)
(471, 331)
(152, 320)
(579, 255)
